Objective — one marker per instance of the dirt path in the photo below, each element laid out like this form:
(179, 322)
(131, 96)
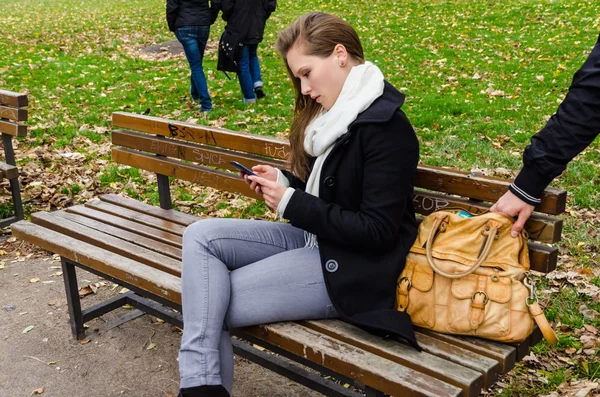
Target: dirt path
(138, 358)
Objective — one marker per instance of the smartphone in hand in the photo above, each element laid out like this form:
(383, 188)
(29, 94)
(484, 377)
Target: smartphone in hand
(243, 169)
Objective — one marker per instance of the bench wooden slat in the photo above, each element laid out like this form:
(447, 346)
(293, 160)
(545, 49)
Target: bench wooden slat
(200, 154)
(505, 355)
(132, 237)
(8, 171)
(9, 98)
(542, 228)
(14, 129)
(194, 173)
(107, 242)
(180, 218)
(14, 114)
(351, 361)
(482, 188)
(468, 380)
(487, 366)
(149, 279)
(134, 216)
(264, 146)
(432, 178)
(134, 227)
(543, 258)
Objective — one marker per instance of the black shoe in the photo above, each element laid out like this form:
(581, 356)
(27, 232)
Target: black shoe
(258, 91)
(204, 391)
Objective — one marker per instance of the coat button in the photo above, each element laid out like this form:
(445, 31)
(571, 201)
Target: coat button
(330, 181)
(331, 266)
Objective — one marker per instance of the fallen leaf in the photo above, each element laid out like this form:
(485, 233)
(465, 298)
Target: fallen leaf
(84, 341)
(151, 346)
(37, 391)
(28, 328)
(34, 280)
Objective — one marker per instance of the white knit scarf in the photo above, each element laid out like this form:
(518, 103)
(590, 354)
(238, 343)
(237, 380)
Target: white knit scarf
(362, 87)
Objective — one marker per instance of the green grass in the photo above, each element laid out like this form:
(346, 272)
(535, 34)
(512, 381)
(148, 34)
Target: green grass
(480, 79)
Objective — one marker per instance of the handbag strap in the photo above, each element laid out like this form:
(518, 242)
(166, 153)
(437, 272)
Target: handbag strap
(542, 322)
(487, 246)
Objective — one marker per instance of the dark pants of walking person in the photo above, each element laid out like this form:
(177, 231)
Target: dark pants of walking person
(193, 39)
(249, 74)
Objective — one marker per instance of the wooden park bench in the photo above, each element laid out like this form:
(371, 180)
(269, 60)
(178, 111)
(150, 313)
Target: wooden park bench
(139, 246)
(12, 112)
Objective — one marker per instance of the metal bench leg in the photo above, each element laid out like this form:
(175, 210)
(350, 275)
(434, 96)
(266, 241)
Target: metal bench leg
(76, 317)
(15, 188)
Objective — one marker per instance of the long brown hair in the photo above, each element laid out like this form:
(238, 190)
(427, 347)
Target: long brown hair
(317, 33)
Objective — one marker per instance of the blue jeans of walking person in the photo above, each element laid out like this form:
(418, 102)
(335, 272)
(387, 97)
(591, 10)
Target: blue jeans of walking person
(193, 39)
(249, 72)
(237, 273)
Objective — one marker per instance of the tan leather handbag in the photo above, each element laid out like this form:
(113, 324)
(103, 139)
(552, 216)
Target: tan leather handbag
(466, 275)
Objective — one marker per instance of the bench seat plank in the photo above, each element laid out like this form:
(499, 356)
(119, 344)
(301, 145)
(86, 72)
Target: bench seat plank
(107, 242)
(505, 355)
(144, 277)
(351, 361)
(134, 216)
(132, 237)
(174, 216)
(130, 226)
(487, 366)
(468, 380)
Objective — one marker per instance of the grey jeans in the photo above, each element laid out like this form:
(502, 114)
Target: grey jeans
(238, 273)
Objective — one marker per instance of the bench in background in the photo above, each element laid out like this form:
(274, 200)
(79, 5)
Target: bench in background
(12, 113)
(139, 246)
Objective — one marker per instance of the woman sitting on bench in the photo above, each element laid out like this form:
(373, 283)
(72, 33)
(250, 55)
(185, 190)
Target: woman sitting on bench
(348, 200)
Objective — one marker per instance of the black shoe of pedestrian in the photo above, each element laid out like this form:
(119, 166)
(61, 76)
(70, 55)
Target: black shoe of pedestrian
(258, 91)
(204, 391)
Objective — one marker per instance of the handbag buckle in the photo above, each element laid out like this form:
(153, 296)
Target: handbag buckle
(486, 298)
(408, 285)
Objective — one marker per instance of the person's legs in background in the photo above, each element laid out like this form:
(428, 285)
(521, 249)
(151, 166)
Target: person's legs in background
(245, 77)
(193, 39)
(255, 71)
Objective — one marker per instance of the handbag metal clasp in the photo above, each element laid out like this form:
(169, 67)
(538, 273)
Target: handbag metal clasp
(486, 298)
(532, 298)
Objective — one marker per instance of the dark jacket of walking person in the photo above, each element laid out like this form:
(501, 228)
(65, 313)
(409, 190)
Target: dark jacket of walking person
(571, 129)
(190, 20)
(246, 20)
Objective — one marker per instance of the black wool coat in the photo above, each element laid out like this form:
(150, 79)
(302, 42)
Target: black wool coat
(246, 19)
(191, 13)
(364, 219)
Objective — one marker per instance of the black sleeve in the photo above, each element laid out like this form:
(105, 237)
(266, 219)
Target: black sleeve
(270, 6)
(571, 129)
(172, 8)
(295, 182)
(227, 7)
(215, 7)
(391, 155)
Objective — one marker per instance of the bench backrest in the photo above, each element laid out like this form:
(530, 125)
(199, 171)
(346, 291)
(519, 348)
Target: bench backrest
(202, 154)
(12, 112)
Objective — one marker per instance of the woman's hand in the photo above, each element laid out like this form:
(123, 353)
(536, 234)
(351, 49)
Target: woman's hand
(271, 190)
(264, 171)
